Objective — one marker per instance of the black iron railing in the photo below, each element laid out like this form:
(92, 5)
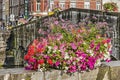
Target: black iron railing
(22, 35)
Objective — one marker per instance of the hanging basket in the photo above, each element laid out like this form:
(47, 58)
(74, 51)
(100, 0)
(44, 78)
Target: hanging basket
(110, 6)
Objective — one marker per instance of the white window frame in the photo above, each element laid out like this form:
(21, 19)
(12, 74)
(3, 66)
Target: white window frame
(62, 5)
(73, 5)
(98, 6)
(51, 4)
(87, 5)
(37, 6)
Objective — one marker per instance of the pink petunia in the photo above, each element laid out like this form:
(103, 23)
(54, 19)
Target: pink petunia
(74, 47)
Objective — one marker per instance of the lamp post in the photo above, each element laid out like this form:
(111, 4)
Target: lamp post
(12, 19)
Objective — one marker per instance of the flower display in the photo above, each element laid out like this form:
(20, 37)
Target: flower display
(70, 48)
(110, 6)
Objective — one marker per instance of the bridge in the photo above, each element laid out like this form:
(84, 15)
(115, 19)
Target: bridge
(21, 36)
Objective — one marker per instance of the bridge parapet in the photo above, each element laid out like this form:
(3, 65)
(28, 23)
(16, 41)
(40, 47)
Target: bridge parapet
(4, 35)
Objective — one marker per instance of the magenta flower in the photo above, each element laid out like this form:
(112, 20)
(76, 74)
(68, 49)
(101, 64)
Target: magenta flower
(91, 62)
(90, 65)
(110, 51)
(108, 40)
(83, 55)
(32, 60)
(97, 47)
(92, 44)
(83, 67)
(28, 67)
(72, 68)
(107, 60)
(57, 63)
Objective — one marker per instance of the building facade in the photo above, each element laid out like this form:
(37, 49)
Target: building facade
(17, 8)
(38, 6)
(12, 10)
(5, 11)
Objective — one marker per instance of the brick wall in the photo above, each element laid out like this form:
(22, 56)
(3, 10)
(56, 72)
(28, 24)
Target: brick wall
(93, 4)
(80, 4)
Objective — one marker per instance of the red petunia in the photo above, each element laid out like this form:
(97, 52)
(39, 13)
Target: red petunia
(35, 41)
(40, 50)
(31, 50)
(104, 41)
(50, 61)
(41, 61)
(79, 30)
(26, 57)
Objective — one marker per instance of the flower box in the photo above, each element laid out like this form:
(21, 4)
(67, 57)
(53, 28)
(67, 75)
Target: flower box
(71, 48)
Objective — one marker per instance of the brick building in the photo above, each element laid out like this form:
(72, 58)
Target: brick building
(40, 6)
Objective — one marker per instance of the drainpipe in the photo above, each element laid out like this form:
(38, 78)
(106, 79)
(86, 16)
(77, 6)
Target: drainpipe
(43, 6)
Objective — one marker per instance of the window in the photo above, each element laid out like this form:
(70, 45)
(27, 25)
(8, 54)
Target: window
(3, 6)
(87, 5)
(72, 5)
(98, 5)
(51, 5)
(72, 0)
(38, 6)
(62, 5)
(51, 0)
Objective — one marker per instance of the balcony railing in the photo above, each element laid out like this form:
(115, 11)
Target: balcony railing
(22, 35)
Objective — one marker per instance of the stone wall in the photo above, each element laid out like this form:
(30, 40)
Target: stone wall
(3, 38)
(109, 72)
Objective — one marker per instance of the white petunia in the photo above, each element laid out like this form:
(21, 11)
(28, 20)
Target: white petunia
(98, 62)
(49, 47)
(66, 56)
(91, 52)
(105, 44)
(54, 51)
